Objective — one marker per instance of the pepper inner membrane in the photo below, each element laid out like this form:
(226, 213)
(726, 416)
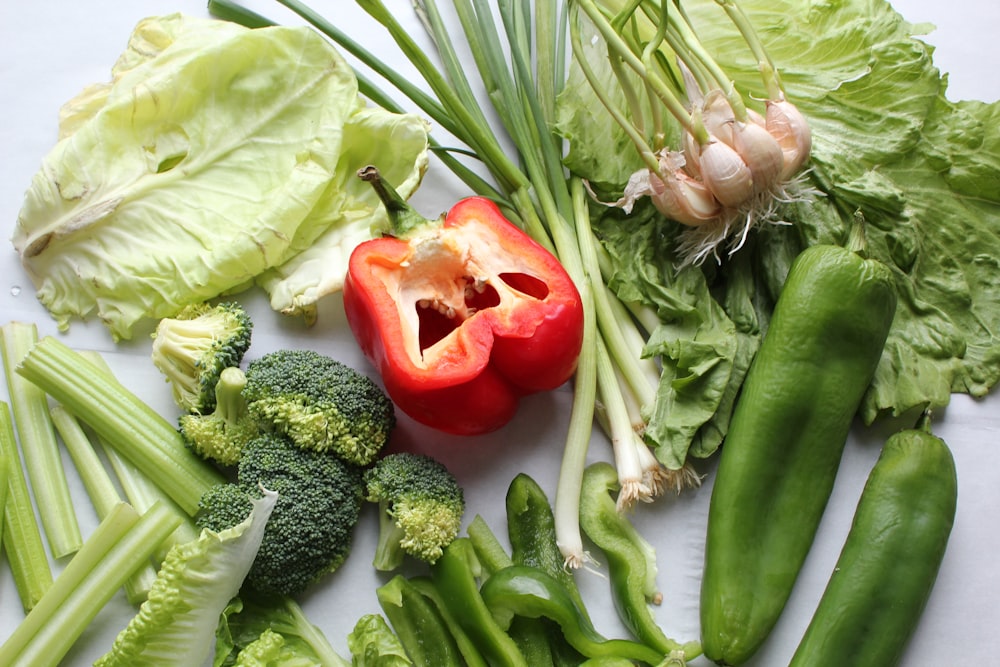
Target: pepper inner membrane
(435, 323)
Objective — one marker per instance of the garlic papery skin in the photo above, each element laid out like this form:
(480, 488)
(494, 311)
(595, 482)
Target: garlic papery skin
(680, 197)
(789, 127)
(725, 174)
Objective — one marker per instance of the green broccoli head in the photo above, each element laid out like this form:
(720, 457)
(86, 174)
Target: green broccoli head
(192, 349)
(311, 527)
(421, 506)
(320, 403)
(221, 435)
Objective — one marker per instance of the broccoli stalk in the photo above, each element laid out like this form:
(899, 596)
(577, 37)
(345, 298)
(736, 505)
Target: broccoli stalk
(221, 435)
(121, 420)
(121, 543)
(192, 349)
(420, 508)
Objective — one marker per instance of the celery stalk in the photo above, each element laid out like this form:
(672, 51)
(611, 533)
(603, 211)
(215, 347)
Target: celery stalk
(22, 538)
(112, 553)
(139, 489)
(100, 487)
(121, 419)
(42, 459)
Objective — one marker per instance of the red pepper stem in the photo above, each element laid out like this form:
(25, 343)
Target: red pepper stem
(403, 218)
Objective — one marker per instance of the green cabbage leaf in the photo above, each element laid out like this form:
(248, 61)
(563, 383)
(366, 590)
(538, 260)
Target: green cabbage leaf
(213, 156)
(888, 144)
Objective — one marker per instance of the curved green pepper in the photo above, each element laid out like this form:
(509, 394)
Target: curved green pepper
(417, 623)
(786, 437)
(531, 530)
(631, 559)
(525, 591)
(455, 577)
(890, 559)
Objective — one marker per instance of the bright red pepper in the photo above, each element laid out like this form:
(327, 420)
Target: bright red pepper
(461, 316)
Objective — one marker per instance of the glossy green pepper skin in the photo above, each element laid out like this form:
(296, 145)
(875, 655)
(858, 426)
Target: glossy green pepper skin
(417, 623)
(455, 578)
(630, 559)
(890, 559)
(786, 437)
(531, 531)
(522, 591)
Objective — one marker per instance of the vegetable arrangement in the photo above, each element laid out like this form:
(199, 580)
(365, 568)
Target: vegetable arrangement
(661, 327)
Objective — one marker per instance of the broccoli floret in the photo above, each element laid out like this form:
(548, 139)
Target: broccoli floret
(192, 349)
(320, 403)
(221, 435)
(311, 527)
(420, 507)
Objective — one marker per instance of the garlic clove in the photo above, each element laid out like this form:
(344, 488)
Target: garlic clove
(762, 154)
(678, 196)
(725, 174)
(789, 127)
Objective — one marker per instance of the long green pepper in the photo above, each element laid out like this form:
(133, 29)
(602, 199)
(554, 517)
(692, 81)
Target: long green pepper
(630, 559)
(891, 557)
(787, 434)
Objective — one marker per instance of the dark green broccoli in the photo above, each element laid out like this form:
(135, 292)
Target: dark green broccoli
(221, 435)
(192, 349)
(310, 530)
(420, 507)
(320, 403)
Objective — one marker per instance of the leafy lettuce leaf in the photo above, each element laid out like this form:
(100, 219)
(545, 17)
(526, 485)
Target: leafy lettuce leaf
(213, 155)
(176, 625)
(887, 143)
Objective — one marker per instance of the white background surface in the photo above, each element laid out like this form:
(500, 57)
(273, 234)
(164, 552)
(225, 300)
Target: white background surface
(48, 55)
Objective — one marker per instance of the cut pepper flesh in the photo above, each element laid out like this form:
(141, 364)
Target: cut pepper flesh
(463, 317)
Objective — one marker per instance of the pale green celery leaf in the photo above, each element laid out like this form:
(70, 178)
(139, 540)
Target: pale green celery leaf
(350, 211)
(177, 623)
(273, 629)
(373, 644)
(195, 174)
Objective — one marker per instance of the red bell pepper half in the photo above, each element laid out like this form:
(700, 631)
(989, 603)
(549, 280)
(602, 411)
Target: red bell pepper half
(461, 316)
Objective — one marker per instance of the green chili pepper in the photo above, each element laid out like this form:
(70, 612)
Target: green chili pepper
(786, 437)
(631, 559)
(890, 559)
(528, 592)
(531, 530)
(455, 575)
(418, 624)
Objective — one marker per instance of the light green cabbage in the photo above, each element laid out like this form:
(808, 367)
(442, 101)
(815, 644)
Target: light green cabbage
(887, 142)
(214, 155)
(176, 624)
